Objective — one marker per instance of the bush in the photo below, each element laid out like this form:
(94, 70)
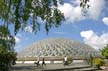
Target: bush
(6, 60)
(98, 62)
(104, 51)
(70, 60)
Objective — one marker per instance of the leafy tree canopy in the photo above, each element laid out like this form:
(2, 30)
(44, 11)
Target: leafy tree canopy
(7, 42)
(22, 13)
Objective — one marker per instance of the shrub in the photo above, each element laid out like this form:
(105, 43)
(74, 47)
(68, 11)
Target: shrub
(70, 60)
(98, 62)
(6, 60)
(104, 51)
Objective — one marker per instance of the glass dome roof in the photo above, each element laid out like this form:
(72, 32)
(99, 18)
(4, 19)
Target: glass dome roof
(57, 47)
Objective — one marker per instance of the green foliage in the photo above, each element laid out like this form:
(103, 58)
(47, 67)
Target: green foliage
(7, 54)
(22, 13)
(70, 60)
(98, 62)
(6, 60)
(104, 52)
(6, 40)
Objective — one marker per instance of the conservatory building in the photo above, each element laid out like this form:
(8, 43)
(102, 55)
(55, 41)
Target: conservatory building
(55, 49)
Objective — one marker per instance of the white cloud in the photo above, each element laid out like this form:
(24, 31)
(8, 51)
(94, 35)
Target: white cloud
(87, 34)
(94, 40)
(17, 39)
(73, 13)
(105, 20)
(28, 29)
(96, 7)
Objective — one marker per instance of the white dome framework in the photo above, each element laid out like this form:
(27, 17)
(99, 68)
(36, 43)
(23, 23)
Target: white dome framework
(57, 47)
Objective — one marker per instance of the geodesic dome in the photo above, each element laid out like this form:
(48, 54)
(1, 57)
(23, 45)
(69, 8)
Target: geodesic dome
(57, 47)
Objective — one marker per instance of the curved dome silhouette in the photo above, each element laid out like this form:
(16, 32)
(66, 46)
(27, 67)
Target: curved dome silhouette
(58, 47)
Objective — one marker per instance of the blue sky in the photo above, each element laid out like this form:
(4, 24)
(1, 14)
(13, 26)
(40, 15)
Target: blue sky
(91, 30)
(71, 30)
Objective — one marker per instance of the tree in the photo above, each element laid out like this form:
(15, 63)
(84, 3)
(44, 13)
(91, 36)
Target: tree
(7, 53)
(105, 51)
(6, 39)
(22, 13)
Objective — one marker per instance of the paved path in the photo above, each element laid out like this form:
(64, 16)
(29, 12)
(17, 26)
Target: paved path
(52, 67)
(59, 67)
